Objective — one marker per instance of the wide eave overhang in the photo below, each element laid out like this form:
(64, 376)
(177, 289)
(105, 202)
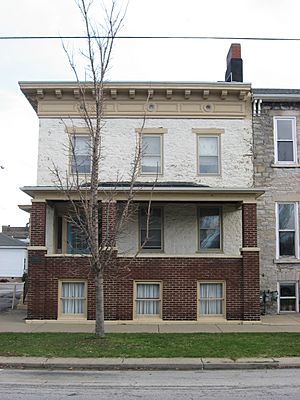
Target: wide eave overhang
(188, 194)
(134, 99)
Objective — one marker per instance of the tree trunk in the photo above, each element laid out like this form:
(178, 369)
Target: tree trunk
(99, 329)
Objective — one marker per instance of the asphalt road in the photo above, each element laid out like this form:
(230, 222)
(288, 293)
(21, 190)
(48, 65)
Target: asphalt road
(146, 385)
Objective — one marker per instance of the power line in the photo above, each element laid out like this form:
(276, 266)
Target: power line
(151, 37)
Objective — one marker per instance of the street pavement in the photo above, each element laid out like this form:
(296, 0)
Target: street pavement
(15, 321)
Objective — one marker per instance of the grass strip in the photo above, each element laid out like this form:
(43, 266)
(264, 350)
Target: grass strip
(229, 345)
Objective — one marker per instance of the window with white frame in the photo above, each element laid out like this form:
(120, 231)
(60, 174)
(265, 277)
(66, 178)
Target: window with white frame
(209, 154)
(151, 228)
(288, 297)
(209, 228)
(285, 140)
(147, 299)
(72, 299)
(211, 299)
(151, 154)
(287, 230)
(80, 154)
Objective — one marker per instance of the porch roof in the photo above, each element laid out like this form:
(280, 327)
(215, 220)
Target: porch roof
(159, 191)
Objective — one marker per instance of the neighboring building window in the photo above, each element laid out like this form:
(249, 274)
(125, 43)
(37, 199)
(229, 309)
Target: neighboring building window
(154, 226)
(211, 298)
(285, 140)
(151, 157)
(72, 299)
(287, 229)
(209, 228)
(76, 241)
(288, 299)
(208, 153)
(81, 154)
(147, 299)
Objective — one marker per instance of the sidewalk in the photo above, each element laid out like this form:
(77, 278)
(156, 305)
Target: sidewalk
(14, 321)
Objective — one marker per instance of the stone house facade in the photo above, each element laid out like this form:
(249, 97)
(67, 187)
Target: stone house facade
(276, 130)
(202, 259)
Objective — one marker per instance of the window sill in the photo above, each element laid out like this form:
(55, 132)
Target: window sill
(295, 165)
(286, 261)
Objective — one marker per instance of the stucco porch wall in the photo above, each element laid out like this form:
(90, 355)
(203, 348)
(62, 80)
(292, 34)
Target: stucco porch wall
(180, 231)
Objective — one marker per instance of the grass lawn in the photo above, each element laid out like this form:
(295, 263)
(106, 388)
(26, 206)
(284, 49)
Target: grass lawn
(229, 345)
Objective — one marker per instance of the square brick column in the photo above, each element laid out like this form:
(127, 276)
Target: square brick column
(250, 253)
(109, 215)
(38, 223)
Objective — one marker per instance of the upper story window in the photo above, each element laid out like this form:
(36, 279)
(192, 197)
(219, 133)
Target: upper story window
(208, 150)
(285, 140)
(287, 232)
(81, 154)
(209, 228)
(153, 226)
(151, 154)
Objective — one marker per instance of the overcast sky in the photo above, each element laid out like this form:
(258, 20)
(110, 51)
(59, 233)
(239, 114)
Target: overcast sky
(266, 64)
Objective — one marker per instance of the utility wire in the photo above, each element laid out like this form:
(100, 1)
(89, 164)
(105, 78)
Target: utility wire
(151, 37)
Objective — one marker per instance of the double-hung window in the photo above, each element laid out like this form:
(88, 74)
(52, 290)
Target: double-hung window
(76, 240)
(285, 140)
(72, 302)
(211, 299)
(151, 154)
(147, 299)
(80, 154)
(287, 232)
(209, 155)
(288, 297)
(209, 228)
(151, 228)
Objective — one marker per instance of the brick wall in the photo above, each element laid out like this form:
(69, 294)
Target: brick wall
(179, 277)
(249, 225)
(38, 224)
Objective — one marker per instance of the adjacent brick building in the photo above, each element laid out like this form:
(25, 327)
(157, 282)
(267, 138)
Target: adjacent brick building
(202, 258)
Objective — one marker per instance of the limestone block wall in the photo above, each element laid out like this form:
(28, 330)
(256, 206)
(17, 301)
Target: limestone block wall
(179, 150)
(280, 184)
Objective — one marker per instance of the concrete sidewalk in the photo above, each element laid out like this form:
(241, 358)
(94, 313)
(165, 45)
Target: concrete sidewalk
(14, 321)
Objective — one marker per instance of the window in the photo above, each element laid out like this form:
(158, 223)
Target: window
(211, 299)
(151, 159)
(285, 140)
(76, 242)
(147, 299)
(208, 152)
(81, 154)
(154, 241)
(287, 229)
(288, 297)
(72, 299)
(209, 228)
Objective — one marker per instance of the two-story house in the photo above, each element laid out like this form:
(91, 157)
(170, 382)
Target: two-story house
(201, 259)
(276, 129)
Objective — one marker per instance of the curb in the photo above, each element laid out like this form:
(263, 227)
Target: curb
(146, 364)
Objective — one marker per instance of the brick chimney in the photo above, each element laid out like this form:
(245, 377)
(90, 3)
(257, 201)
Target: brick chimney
(234, 72)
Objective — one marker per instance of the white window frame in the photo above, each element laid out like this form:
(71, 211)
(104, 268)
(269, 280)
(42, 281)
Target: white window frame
(79, 134)
(135, 300)
(203, 136)
(296, 221)
(294, 140)
(70, 316)
(292, 297)
(223, 299)
(156, 135)
(212, 250)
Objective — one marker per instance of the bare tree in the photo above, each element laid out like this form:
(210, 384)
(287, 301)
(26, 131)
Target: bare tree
(85, 211)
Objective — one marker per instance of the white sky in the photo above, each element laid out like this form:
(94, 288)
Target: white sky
(266, 64)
